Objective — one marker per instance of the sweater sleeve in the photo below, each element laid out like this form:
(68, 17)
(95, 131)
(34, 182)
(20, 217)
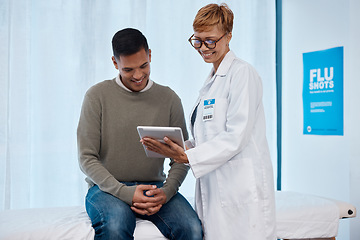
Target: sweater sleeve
(178, 171)
(89, 143)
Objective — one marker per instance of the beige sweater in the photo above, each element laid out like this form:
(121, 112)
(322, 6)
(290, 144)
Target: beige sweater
(108, 143)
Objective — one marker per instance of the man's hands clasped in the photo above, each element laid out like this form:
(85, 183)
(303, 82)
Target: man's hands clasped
(148, 199)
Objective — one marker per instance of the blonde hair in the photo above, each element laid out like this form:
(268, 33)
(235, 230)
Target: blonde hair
(212, 15)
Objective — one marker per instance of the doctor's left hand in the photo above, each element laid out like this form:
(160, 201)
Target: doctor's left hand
(169, 149)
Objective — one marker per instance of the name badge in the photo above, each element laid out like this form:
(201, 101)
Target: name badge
(209, 106)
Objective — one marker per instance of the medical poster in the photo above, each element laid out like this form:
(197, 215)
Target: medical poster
(323, 92)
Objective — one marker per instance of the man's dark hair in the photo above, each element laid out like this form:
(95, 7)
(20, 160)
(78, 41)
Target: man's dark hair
(128, 41)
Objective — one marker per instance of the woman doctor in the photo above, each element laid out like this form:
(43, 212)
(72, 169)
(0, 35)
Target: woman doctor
(229, 156)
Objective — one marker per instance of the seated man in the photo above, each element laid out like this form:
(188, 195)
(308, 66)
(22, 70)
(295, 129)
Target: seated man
(119, 174)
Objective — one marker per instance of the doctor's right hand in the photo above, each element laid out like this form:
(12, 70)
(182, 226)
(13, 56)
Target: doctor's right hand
(169, 149)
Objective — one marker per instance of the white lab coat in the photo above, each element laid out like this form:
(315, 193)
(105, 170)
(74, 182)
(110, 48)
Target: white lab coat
(231, 162)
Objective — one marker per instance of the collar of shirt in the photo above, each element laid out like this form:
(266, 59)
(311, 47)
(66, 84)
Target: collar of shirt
(221, 71)
(225, 64)
(223, 68)
(119, 82)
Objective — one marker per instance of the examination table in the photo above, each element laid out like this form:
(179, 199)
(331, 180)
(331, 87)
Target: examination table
(299, 216)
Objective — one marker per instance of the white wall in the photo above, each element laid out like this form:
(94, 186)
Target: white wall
(328, 166)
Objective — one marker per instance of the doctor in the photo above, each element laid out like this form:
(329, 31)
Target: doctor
(229, 156)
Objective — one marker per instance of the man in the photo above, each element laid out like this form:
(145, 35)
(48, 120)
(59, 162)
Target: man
(124, 183)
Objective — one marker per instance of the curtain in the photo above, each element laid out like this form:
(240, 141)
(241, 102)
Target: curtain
(51, 52)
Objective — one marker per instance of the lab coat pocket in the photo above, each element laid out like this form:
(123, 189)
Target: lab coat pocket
(237, 184)
(217, 123)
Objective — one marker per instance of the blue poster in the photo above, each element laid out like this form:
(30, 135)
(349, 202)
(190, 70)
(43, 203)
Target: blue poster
(323, 92)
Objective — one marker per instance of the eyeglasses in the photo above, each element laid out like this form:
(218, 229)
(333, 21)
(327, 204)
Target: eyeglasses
(197, 43)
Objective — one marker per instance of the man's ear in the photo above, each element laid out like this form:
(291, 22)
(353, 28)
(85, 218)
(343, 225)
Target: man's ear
(149, 55)
(114, 62)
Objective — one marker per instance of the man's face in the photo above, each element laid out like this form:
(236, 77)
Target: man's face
(134, 69)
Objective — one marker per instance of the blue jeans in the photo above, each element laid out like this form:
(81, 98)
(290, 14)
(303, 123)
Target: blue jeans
(113, 219)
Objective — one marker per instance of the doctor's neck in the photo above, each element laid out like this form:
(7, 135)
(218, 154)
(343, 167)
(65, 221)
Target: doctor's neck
(217, 63)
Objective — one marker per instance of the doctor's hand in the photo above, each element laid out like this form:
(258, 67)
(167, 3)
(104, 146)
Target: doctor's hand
(169, 149)
(148, 199)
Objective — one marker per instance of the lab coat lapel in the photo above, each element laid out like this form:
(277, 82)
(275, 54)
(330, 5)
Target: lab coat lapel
(222, 71)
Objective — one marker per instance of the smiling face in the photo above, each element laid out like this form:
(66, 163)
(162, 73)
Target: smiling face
(134, 69)
(216, 55)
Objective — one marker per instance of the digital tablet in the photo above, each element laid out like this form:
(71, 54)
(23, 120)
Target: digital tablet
(158, 133)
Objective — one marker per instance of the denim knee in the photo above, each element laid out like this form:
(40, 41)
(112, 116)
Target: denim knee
(181, 221)
(193, 229)
(111, 218)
